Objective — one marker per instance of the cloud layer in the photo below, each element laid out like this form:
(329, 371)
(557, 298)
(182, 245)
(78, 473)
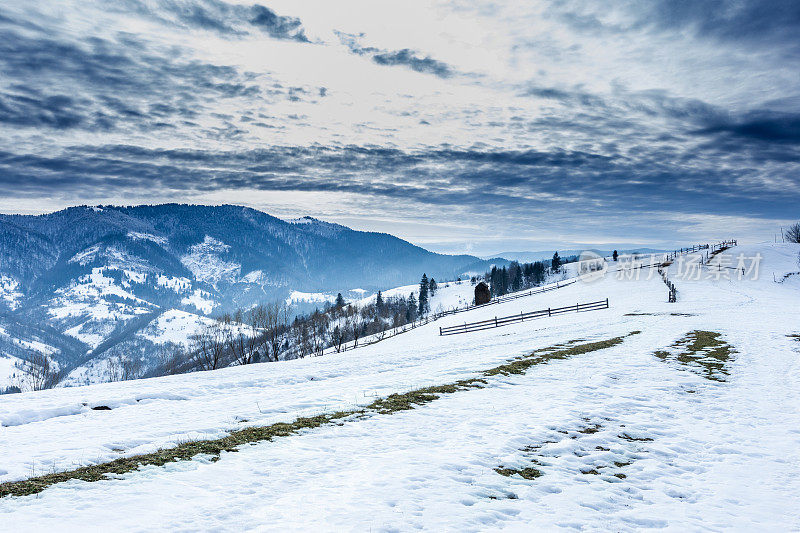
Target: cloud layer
(634, 116)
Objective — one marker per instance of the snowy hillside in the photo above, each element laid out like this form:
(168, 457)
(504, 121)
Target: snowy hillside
(648, 414)
(449, 295)
(86, 280)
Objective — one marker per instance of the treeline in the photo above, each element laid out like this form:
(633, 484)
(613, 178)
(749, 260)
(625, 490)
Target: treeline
(520, 276)
(267, 333)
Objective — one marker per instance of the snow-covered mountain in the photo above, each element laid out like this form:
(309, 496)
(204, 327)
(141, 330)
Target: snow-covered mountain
(78, 282)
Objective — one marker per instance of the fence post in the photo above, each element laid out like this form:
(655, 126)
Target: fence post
(576, 307)
(548, 311)
(440, 331)
(495, 321)
(606, 303)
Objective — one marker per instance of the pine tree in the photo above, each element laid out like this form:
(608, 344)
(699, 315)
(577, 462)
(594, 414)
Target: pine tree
(411, 310)
(379, 302)
(339, 301)
(615, 255)
(555, 265)
(516, 275)
(432, 287)
(423, 295)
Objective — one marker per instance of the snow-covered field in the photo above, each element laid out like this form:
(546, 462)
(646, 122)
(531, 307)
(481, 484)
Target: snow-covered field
(623, 439)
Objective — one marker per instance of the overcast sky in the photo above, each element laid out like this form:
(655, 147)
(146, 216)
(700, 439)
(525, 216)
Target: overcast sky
(461, 125)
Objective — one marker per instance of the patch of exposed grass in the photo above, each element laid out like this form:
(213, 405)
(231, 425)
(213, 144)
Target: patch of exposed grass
(630, 438)
(519, 366)
(184, 451)
(525, 473)
(231, 442)
(592, 456)
(702, 351)
(411, 399)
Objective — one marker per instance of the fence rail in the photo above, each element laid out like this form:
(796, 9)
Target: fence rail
(521, 317)
(508, 298)
(713, 250)
(697, 247)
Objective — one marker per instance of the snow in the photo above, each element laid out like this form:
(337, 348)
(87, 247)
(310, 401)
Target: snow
(309, 297)
(92, 336)
(138, 236)
(179, 284)
(8, 370)
(88, 293)
(29, 344)
(174, 326)
(86, 299)
(253, 277)
(85, 256)
(9, 291)
(201, 300)
(113, 257)
(204, 261)
(449, 295)
(721, 455)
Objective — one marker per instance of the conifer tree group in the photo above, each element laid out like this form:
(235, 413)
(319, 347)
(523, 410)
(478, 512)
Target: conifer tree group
(423, 295)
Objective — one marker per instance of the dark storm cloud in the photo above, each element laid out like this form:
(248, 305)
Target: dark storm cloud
(414, 61)
(768, 127)
(100, 83)
(515, 181)
(765, 21)
(228, 20)
(770, 23)
(405, 57)
(277, 26)
(30, 109)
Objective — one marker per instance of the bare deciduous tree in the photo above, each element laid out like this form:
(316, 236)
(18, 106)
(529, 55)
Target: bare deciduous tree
(38, 372)
(122, 368)
(277, 324)
(131, 369)
(209, 346)
(355, 328)
(114, 368)
(171, 358)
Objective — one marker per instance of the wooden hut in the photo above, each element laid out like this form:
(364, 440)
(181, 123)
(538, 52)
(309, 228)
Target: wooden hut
(482, 294)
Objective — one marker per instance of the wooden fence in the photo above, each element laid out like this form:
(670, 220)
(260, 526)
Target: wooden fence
(713, 249)
(697, 247)
(521, 317)
(432, 317)
(507, 298)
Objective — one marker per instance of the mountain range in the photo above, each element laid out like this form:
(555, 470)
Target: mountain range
(530, 257)
(76, 283)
